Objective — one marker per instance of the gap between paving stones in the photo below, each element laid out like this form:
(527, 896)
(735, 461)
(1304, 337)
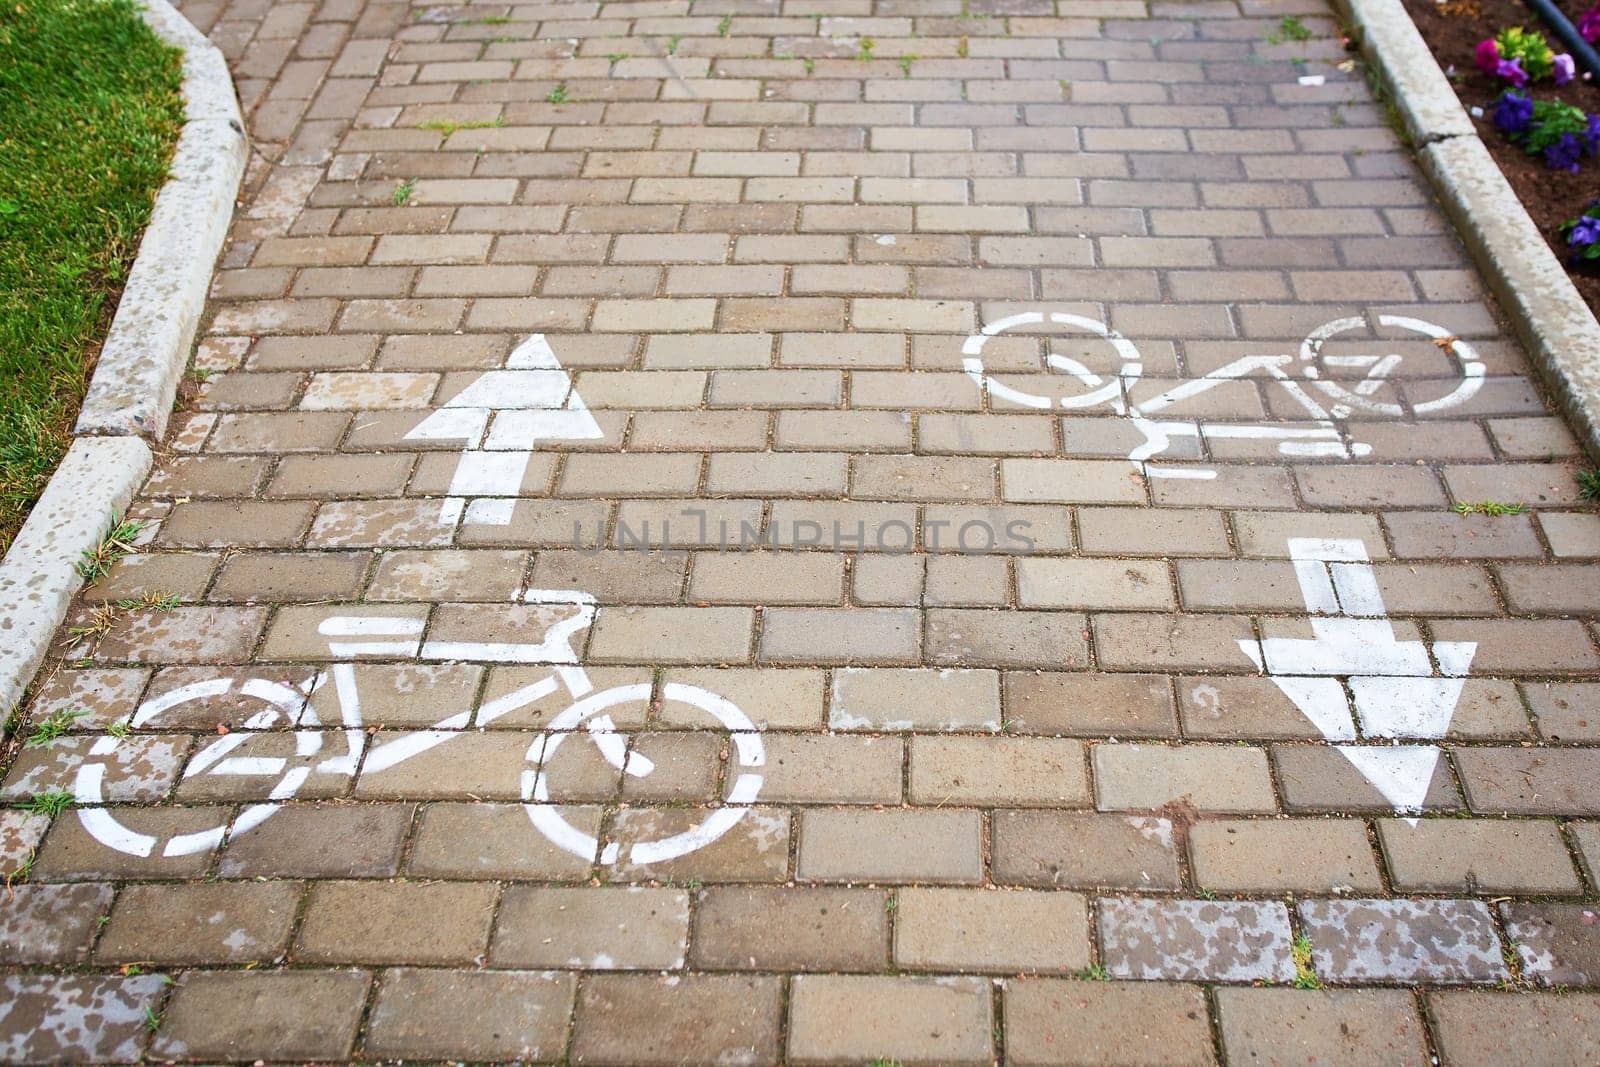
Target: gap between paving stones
(1545, 308)
(136, 377)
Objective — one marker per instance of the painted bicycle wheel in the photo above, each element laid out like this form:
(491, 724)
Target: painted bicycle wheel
(1351, 394)
(1074, 385)
(278, 705)
(749, 755)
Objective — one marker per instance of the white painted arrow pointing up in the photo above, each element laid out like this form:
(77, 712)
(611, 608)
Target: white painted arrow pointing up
(530, 399)
(1397, 693)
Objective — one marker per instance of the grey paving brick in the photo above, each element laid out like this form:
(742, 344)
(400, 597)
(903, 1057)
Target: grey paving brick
(1436, 941)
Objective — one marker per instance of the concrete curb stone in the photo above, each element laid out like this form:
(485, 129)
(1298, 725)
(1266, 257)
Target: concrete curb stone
(145, 352)
(1551, 319)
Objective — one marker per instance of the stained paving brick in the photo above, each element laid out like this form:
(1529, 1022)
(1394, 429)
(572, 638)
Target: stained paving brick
(222, 922)
(1083, 851)
(1194, 940)
(983, 930)
(45, 924)
(631, 928)
(1443, 941)
(1557, 944)
(791, 928)
(46, 1018)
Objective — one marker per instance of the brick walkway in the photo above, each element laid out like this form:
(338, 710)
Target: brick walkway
(514, 289)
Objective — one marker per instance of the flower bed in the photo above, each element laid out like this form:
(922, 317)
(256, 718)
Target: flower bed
(1535, 111)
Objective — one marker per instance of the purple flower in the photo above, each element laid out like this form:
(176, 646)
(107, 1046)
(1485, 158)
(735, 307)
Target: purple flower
(1564, 153)
(1592, 134)
(1513, 113)
(1563, 68)
(1511, 70)
(1589, 24)
(1487, 55)
(1585, 233)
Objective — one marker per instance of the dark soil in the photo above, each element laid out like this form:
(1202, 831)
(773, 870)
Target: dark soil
(1552, 196)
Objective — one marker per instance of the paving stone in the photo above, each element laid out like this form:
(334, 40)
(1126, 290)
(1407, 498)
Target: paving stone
(643, 1019)
(1210, 778)
(51, 924)
(505, 1015)
(832, 769)
(73, 1018)
(889, 699)
(71, 853)
(184, 635)
(395, 922)
(896, 845)
(484, 840)
(224, 922)
(756, 849)
(289, 1015)
(1523, 856)
(1316, 778)
(1089, 705)
(1170, 642)
(139, 769)
(1195, 940)
(1055, 1023)
(1084, 851)
(782, 699)
(1434, 941)
(321, 841)
(844, 1018)
(979, 638)
(1014, 772)
(1530, 781)
(1360, 1027)
(791, 928)
(1476, 1029)
(1555, 943)
(1007, 932)
(630, 928)
(1270, 856)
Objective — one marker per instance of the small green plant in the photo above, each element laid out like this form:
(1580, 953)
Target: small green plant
(402, 192)
(1305, 975)
(618, 57)
(46, 732)
(119, 729)
(961, 48)
(150, 601)
(447, 127)
(905, 65)
(1206, 894)
(672, 44)
(1589, 484)
(1095, 972)
(52, 803)
(810, 65)
(118, 542)
(558, 95)
(1489, 507)
(152, 1021)
(1290, 28)
(891, 905)
(24, 869)
(487, 20)
(725, 26)
(867, 45)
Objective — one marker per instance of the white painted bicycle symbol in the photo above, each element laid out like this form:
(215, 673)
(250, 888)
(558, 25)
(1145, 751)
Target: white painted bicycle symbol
(1348, 383)
(353, 637)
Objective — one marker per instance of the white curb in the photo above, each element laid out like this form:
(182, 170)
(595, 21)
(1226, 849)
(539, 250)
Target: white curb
(147, 347)
(145, 353)
(96, 480)
(1559, 331)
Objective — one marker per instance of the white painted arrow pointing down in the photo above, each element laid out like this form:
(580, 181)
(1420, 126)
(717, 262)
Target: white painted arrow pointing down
(1398, 695)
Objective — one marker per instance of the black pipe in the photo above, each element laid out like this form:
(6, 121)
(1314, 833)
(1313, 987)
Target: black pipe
(1581, 51)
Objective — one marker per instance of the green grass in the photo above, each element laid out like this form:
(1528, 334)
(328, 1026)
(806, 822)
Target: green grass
(89, 112)
(1489, 507)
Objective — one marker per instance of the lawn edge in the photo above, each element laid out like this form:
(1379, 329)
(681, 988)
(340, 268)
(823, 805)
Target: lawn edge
(1551, 319)
(135, 380)
(147, 347)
